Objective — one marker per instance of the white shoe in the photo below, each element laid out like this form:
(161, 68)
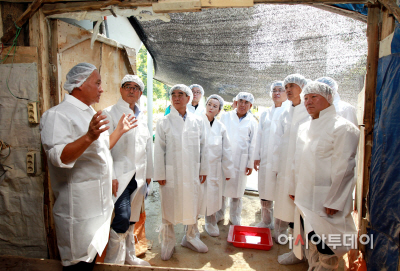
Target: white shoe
(220, 214)
(190, 240)
(168, 241)
(116, 249)
(211, 225)
(280, 228)
(131, 258)
(289, 258)
(267, 211)
(263, 225)
(235, 211)
(312, 256)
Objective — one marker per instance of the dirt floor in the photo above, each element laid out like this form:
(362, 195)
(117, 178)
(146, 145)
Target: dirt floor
(221, 254)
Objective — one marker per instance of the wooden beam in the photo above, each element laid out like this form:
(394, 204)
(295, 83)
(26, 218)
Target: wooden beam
(129, 59)
(57, 8)
(388, 24)
(348, 13)
(370, 99)
(226, 3)
(169, 6)
(392, 7)
(296, 2)
(10, 33)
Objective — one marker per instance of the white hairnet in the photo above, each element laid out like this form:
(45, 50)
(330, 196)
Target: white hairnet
(297, 79)
(219, 98)
(330, 82)
(78, 75)
(319, 88)
(133, 78)
(184, 88)
(234, 99)
(197, 86)
(276, 84)
(245, 96)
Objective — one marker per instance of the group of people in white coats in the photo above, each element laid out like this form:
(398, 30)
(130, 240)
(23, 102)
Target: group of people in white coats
(305, 157)
(100, 163)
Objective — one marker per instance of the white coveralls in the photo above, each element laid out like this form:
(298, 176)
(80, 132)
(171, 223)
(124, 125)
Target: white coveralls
(220, 168)
(267, 151)
(345, 110)
(284, 207)
(180, 157)
(132, 155)
(197, 111)
(242, 135)
(326, 150)
(82, 189)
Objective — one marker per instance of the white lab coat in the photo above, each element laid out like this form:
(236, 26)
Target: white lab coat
(345, 110)
(242, 136)
(326, 149)
(199, 111)
(83, 205)
(132, 155)
(289, 121)
(267, 149)
(180, 157)
(220, 166)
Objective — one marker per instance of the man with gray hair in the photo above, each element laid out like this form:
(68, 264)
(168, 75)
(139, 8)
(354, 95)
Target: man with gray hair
(77, 145)
(289, 121)
(242, 131)
(180, 167)
(133, 168)
(196, 107)
(326, 149)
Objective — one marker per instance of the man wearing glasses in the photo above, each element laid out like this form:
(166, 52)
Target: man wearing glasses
(267, 152)
(195, 106)
(133, 168)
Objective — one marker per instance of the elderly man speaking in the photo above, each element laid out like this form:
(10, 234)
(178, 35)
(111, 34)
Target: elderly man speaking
(77, 143)
(326, 150)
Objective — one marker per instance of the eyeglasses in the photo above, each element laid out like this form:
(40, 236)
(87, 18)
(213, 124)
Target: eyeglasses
(278, 91)
(196, 92)
(129, 88)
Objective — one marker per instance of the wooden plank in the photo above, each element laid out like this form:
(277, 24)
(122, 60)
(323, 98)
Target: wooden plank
(53, 63)
(226, 3)
(50, 9)
(16, 263)
(392, 7)
(23, 54)
(38, 36)
(388, 24)
(369, 108)
(129, 59)
(1, 21)
(177, 6)
(348, 13)
(10, 33)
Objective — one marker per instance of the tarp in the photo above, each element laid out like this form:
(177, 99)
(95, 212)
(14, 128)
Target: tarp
(360, 8)
(384, 200)
(245, 49)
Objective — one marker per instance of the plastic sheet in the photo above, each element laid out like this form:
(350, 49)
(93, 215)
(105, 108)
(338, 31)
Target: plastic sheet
(384, 200)
(246, 49)
(360, 8)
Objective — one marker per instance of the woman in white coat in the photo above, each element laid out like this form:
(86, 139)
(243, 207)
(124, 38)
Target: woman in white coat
(220, 163)
(266, 153)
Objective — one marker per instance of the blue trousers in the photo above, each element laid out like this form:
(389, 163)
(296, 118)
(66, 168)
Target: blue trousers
(122, 208)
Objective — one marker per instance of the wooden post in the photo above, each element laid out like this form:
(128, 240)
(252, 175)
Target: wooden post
(369, 109)
(38, 36)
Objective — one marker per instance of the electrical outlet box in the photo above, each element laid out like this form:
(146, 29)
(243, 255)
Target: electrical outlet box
(31, 162)
(33, 116)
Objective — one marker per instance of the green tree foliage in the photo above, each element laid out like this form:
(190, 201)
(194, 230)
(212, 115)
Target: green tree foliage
(160, 90)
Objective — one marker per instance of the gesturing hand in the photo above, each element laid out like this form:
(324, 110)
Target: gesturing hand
(126, 123)
(95, 124)
(249, 171)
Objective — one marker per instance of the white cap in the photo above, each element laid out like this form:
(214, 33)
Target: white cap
(297, 79)
(319, 88)
(184, 88)
(133, 78)
(219, 98)
(78, 75)
(245, 96)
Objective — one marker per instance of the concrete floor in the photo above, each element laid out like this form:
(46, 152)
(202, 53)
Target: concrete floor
(221, 254)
